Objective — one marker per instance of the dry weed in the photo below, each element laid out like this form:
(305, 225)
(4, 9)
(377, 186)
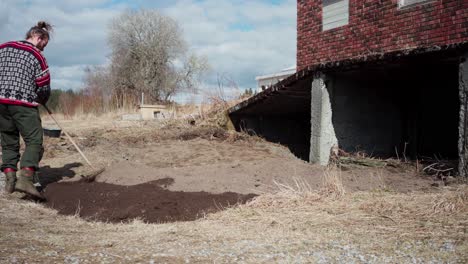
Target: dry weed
(298, 194)
(412, 208)
(301, 193)
(451, 202)
(205, 132)
(381, 206)
(215, 113)
(233, 136)
(332, 183)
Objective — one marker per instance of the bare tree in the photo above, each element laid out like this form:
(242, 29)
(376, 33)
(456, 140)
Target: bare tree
(149, 55)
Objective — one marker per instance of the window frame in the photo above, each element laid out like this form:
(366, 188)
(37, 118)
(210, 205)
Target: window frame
(339, 25)
(402, 4)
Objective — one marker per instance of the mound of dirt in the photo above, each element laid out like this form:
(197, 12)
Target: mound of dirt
(149, 201)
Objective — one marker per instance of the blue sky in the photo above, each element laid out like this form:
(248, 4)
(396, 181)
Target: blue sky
(241, 38)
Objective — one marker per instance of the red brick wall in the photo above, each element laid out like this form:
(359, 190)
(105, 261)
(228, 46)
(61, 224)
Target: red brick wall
(377, 26)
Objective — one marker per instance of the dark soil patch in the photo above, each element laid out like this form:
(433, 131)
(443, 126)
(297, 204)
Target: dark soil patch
(149, 201)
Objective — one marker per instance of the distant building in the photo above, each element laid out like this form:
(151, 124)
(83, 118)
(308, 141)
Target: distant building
(265, 81)
(149, 112)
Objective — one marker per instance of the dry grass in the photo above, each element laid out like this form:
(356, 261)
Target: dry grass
(294, 224)
(301, 193)
(381, 227)
(208, 121)
(333, 183)
(454, 202)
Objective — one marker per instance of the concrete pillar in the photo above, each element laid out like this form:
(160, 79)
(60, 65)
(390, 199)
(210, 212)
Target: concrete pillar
(463, 121)
(322, 137)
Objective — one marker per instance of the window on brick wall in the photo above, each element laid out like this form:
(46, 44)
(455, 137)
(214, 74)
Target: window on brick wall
(335, 14)
(403, 3)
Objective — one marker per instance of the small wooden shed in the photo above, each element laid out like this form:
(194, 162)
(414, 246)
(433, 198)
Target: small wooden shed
(150, 112)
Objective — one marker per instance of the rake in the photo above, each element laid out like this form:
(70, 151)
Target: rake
(90, 177)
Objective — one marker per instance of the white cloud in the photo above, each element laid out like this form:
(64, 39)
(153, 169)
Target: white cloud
(263, 42)
(67, 77)
(241, 39)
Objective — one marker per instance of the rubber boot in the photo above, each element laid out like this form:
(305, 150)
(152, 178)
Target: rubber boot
(10, 180)
(25, 183)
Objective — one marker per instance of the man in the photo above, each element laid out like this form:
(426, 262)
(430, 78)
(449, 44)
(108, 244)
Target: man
(24, 84)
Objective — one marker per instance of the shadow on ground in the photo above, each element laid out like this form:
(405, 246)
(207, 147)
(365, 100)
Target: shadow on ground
(48, 175)
(150, 201)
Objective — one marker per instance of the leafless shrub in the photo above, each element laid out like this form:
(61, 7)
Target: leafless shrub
(332, 183)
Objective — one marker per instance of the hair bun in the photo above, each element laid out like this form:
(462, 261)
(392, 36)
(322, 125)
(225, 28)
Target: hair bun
(44, 25)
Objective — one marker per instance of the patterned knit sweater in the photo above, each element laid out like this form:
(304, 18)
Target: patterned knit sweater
(24, 74)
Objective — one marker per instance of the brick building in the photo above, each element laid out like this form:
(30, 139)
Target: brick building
(388, 77)
(376, 26)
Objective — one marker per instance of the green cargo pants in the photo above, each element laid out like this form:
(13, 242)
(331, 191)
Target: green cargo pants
(16, 120)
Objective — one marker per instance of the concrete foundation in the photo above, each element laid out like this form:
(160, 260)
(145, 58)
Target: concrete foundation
(463, 121)
(322, 137)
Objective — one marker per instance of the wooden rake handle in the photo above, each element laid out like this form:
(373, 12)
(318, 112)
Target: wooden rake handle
(68, 136)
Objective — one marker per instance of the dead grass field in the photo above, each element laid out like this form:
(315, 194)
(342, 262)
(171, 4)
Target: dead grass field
(289, 226)
(303, 214)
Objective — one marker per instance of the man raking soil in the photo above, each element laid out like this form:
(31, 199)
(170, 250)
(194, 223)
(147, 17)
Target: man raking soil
(24, 85)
